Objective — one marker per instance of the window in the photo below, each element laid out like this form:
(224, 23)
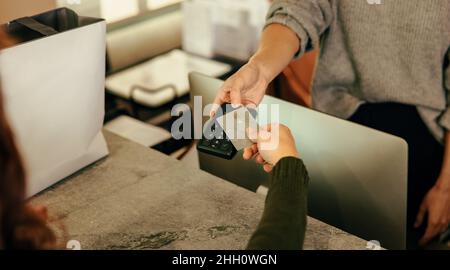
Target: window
(156, 4)
(116, 10)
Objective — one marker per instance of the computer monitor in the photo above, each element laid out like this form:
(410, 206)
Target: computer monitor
(358, 175)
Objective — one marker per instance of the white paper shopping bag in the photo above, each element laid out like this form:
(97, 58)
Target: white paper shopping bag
(53, 84)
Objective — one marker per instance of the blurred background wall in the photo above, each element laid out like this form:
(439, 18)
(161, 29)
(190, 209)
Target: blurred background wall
(12, 9)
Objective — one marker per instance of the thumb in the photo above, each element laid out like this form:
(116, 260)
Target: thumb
(264, 135)
(258, 136)
(252, 134)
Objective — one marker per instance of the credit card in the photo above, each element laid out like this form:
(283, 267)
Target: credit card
(235, 125)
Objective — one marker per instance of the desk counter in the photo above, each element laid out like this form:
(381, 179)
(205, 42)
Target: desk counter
(138, 198)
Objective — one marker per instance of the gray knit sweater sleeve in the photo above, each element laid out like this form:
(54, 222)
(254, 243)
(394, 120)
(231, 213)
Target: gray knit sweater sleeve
(445, 118)
(309, 19)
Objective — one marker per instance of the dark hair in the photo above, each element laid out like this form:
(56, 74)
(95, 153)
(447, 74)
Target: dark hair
(21, 227)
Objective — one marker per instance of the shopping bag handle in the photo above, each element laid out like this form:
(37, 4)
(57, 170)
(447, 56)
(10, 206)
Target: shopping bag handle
(36, 26)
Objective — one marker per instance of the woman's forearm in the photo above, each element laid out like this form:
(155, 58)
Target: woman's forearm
(278, 46)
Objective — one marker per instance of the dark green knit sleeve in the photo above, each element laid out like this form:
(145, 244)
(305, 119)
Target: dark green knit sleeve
(283, 223)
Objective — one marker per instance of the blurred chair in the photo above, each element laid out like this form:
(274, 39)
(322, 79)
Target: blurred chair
(143, 40)
(295, 82)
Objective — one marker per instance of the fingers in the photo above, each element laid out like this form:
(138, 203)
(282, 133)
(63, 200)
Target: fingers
(250, 152)
(214, 108)
(434, 228)
(221, 98)
(252, 134)
(420, 215)
(235, 88)
(426, 238)
(431, 232)
(230, 92)
(249, 104)
(227, 94)
(255, 148)
(235, 97)
(260, 160)
(268, 168)
(442, 228)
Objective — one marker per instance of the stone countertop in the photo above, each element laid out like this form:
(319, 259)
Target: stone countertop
(138, 198)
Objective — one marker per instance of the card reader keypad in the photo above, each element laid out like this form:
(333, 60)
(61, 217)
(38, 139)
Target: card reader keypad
(218, 144)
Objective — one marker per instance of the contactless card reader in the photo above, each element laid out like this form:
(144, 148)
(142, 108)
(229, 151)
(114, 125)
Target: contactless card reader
(215, 140)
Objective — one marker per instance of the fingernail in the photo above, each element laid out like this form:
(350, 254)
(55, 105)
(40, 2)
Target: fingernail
(234, 105)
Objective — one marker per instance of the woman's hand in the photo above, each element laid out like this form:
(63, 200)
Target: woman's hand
(437, 205)
(246, 87)
(437, 201)
(273, 143)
